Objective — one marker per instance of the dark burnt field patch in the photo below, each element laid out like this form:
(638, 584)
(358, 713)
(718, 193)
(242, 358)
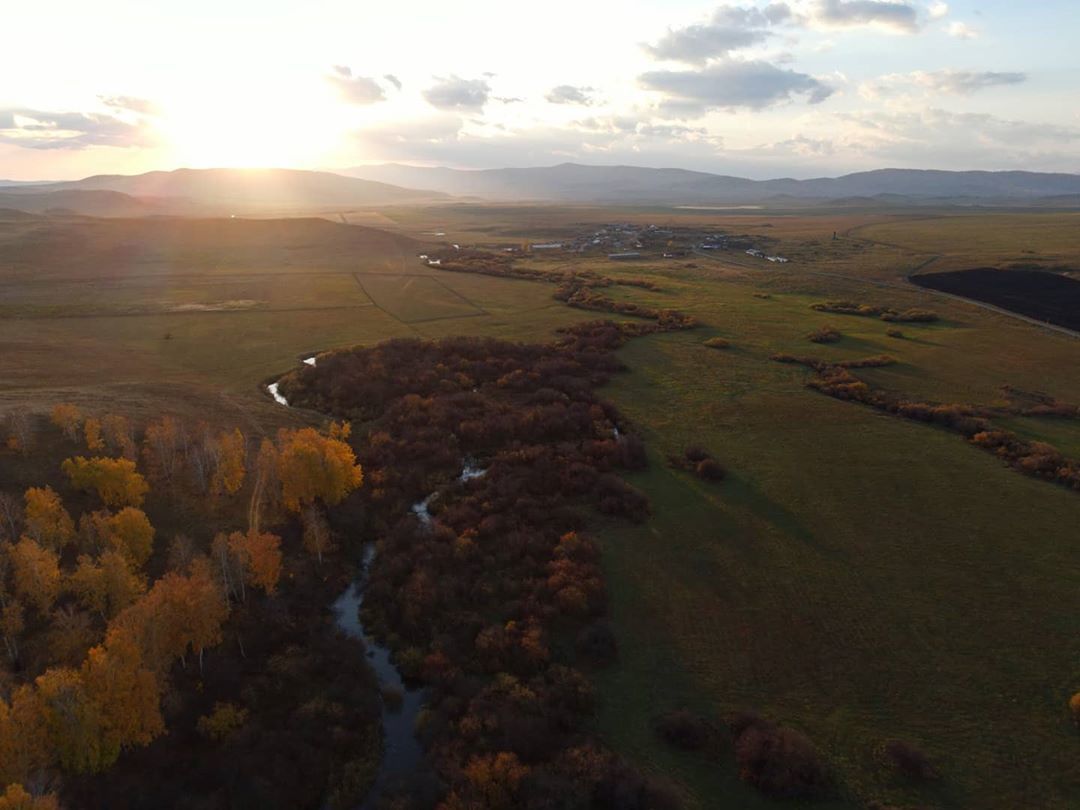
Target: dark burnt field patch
(1049, 297)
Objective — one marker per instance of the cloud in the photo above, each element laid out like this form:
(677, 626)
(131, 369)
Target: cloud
(394, 80)
(355, 89)
(507, 99)
(129, 104)
(897, 15)
(961, 31)
(568, 94)
(953, 82)
(938, 10)
(455, 93)
(731, 84)
(39, 129)
(729, 29)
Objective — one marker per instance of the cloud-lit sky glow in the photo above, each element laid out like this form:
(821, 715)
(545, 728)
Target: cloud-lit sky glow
(761, 89)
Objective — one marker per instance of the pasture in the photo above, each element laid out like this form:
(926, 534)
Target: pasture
(856, 576)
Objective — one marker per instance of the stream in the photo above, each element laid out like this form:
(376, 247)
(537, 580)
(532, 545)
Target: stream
(402, 755)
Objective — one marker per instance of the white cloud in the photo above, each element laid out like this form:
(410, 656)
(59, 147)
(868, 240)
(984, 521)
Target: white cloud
(938, 10)
(355, 89)
(568, 94)
(730, 84)
(961, 30)
(954, 82)
(455, 93)
(730, 28)
(895, 15)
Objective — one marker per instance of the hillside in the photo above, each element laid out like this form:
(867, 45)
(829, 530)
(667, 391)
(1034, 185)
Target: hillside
(570, 182)
(243, 189)
(99, 203)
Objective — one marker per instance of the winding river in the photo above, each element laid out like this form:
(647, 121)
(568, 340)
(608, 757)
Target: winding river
(402, 754)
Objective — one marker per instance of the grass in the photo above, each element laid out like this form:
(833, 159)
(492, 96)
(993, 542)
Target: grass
(857, 576)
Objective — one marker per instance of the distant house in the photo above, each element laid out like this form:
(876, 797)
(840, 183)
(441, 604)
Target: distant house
(622, 257)
(754, 252)
(779, 259)
(548, 246)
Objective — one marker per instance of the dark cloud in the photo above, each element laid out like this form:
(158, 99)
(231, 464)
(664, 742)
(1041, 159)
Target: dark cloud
(895, 14)
(355, 89)
(39, 129)
(394, 80)
(455, 93)
(730, 84)
(568, 94)
(729, 29)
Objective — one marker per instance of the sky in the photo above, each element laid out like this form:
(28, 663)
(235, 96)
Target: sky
(801, 88)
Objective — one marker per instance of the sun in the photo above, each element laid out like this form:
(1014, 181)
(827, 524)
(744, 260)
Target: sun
(249, 133)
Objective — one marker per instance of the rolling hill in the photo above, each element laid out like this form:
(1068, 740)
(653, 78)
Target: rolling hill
(247, 190)
(570, 182)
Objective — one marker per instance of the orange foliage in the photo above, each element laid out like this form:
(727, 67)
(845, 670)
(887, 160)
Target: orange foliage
(36, 572)
(15, 797)
(115, 480)
(68, 418)
(92, 432)
(259, 554)
(46, 519)
(230, 451)
(313, 467)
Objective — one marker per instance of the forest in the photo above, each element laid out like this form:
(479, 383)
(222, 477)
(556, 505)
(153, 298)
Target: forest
(162, 593)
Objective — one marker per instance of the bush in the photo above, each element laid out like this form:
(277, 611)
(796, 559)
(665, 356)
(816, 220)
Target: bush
(908, 760)
(683, 729)
(825, 334)
(895, 333)
(717, 343)
(711, 470)
(780, 762)
(1074, 708)
(696, 453)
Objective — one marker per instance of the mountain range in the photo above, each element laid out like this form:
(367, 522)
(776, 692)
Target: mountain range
(570, 182)
(266, 192)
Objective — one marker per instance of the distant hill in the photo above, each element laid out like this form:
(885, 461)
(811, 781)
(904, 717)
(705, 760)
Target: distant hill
(245, 190)
(84, 202)
(570, 182)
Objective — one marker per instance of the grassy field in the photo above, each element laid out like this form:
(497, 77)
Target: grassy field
(856, 576)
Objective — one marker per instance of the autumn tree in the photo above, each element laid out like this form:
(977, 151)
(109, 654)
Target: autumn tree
(259, 554)
(12, 625)
(20, 431)
(36, 572)
(230, 451)
(11, 514)
(107, 585)
(70, 635)
(163, 447)
(47, 521)
(317, 538)
(15, 797)
(72, 722)
(266, 493)
(92, 434)
(68, 418)
(313, 468)
(118, 435)
(125, 694)
(115, 480)
(24, 750)
(129, 532)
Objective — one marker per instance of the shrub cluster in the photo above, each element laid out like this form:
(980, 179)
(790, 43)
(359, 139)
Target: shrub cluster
(718, 343)
(700, 462)
(1032, 458)
(826, 334)
(471, 590)
(868, 311)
